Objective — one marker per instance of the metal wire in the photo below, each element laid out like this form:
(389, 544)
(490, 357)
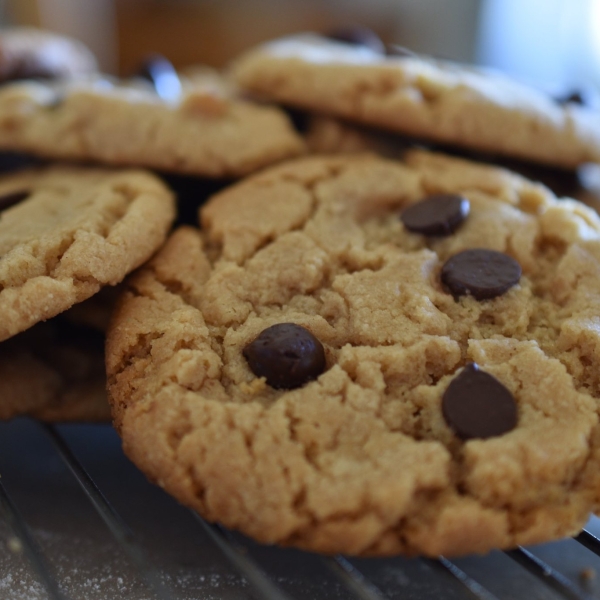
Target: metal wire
(28, 544)
(109, 515)
(353, 579)
(547, 574)
(475, 589)
(238, 557)
(590, 541)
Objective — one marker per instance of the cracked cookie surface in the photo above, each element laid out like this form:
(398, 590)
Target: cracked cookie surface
(360, 460)
(422, 97)
(66, 232)
(207, 130)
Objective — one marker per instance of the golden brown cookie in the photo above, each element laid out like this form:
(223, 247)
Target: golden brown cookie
(54, 372)
(308, 370)
(204, 130)
(421, 97)
(66, 232)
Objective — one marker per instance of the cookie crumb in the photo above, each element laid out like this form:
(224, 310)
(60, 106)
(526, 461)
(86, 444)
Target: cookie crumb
(587, 574)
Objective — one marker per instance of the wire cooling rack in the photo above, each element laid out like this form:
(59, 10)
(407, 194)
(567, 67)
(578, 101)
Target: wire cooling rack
(78, 521)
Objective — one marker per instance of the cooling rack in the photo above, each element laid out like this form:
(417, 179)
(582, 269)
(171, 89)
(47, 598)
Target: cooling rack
(78, 521)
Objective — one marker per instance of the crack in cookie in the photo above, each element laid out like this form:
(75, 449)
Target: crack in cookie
(361, 459)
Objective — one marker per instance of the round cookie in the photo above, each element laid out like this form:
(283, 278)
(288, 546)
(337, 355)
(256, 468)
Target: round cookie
(205, 130)
(421, 97)
(66, 232)
(28, 53)
(54, 372)
(371, 455)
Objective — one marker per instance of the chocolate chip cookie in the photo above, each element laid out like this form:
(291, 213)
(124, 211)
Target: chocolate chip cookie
(421, 97)
(29, 53)
(204, 130)
(334, 364)
(66, 232)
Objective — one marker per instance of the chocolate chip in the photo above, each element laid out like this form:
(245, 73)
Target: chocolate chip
(481, 273)
(477, 405)
(29, 69)
(287, 355)
(162, 75)
(439, 214)
(585, 96)
(573, 97)
(358, 36)
(12, 198)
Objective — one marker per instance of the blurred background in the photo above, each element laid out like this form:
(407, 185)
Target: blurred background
(553, 44)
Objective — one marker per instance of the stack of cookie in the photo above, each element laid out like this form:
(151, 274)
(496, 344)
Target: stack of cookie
(66, 232)
(352, 353)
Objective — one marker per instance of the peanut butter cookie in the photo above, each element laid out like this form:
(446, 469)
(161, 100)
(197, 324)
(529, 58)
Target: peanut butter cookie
(369, 356)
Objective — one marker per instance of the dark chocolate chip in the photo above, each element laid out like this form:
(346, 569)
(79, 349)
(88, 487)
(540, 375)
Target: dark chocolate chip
(12, 198)
(162, 75)
(287, 355)
(586, 96)
(399, 51)
(358, 36)
(29, 69)
(439, 214)
(481, 273)
(573, 97)
(477, 405)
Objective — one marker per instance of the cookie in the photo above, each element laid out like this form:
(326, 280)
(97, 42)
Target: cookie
(423, 98)
(54, 372)
(292, 370)
(327, 135)
(206, 130)
(66, 232)
(28, 53)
